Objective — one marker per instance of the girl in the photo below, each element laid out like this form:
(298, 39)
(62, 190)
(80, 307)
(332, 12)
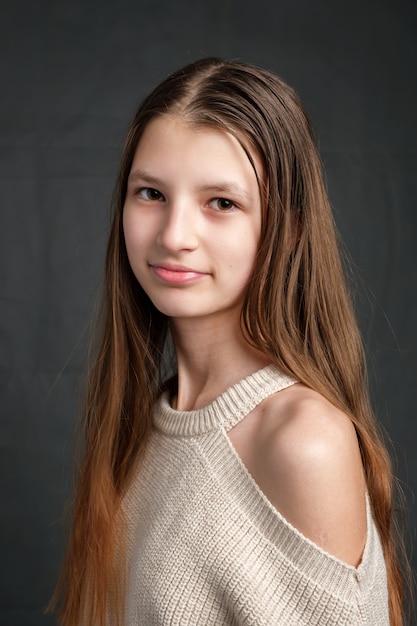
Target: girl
(251, 487)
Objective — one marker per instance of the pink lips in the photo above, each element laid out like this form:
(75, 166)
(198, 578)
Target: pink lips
(176, 274)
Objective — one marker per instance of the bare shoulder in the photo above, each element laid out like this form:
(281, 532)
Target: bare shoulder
(306, 430)
(305, 456)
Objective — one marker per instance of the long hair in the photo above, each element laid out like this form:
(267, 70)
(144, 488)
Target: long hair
(297, 311)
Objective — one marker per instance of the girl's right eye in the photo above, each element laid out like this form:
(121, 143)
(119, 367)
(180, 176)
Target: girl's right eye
(148, 193)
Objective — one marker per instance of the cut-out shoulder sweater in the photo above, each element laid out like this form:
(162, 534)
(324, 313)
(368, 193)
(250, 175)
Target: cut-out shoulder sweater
(206, 547)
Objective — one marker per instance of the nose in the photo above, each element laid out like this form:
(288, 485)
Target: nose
(178, 230)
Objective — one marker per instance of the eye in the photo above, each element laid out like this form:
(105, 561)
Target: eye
(148, 193)
(222, 204)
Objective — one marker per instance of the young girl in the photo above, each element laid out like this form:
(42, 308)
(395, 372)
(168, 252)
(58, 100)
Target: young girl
(251, 487)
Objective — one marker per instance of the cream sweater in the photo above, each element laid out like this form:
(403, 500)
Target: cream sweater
(206, 547)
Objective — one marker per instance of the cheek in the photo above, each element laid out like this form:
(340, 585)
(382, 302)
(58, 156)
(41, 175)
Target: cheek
(134, 243)
(248, 250)
(241, 260)
(134, 232)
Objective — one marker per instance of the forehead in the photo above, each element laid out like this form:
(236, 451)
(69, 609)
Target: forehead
(171, 141)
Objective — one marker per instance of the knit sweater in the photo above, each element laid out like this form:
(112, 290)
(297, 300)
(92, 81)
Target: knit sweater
(206, 547)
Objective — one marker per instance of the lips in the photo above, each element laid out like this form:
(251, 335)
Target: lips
(176, 274)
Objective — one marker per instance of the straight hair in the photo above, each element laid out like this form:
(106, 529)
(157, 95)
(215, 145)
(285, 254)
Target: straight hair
(297, 311)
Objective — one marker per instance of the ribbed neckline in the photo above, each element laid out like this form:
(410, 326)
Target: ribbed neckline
(226, 410)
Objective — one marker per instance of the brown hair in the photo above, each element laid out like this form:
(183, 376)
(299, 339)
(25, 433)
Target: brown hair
(297, 311)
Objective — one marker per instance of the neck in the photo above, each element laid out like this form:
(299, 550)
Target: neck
(210, 358)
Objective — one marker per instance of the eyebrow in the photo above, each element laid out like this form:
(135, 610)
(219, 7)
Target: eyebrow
(143, 177)
(227, 187)
(218, 186)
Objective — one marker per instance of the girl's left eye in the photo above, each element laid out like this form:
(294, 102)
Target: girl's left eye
(222, 204)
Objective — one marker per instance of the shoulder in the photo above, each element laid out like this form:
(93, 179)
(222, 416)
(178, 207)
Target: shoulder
(305, 457)
(306, 430)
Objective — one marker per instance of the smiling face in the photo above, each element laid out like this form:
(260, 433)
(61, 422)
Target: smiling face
(192, 219)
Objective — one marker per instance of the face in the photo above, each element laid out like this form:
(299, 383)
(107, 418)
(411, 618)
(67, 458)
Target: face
(192, 219)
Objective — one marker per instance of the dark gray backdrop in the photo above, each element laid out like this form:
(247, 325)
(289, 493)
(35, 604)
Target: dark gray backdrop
(71, 76)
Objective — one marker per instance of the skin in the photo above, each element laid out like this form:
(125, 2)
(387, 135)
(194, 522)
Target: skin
(192, 220)
(193, 201)
(304, 455)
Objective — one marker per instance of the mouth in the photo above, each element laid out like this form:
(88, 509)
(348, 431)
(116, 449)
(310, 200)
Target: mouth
(176, 274)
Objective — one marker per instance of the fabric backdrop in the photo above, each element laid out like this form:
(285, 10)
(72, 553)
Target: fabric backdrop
(72, 73)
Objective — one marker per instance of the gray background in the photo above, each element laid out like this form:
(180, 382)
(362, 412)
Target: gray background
(71, 76)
